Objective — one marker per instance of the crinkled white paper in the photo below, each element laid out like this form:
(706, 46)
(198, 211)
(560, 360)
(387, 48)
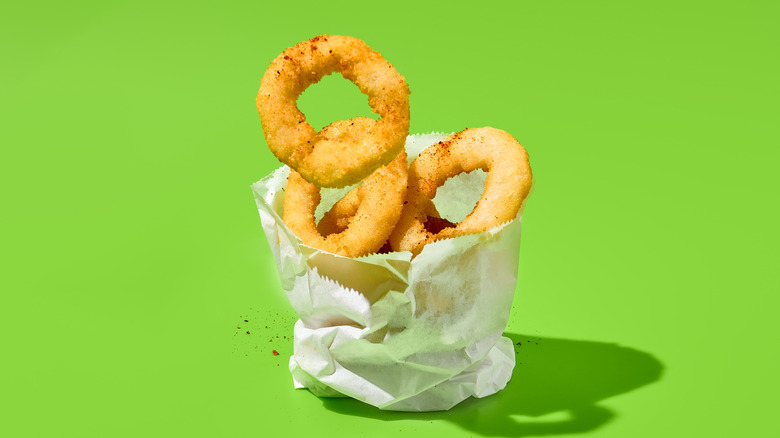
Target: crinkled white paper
(396, 333)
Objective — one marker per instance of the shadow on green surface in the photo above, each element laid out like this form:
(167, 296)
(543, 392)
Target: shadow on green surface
(562, 377)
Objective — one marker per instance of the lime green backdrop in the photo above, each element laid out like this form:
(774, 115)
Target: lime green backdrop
(139, 297)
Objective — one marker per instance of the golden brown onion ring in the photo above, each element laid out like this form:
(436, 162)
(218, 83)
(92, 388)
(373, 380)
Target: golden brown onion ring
(506, 187)
(343, 152)
(370, 211)
(338, 217)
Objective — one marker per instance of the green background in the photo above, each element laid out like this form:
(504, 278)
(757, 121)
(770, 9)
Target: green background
(132, 252)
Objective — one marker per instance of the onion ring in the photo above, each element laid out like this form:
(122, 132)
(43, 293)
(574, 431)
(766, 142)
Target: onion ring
(507, 185)
(338, 217)
(345, 151)
(367, 213)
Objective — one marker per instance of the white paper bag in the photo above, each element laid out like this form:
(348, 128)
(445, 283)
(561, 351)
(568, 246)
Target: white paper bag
(399, 334)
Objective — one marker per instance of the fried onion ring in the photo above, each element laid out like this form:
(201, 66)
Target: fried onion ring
(506, 187)
(338, 217)
(343, 152)
(367, 213)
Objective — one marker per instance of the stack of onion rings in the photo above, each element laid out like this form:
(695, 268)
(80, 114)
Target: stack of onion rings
(383, 213)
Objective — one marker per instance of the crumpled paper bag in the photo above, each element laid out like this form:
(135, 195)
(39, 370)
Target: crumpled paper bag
(396, 333)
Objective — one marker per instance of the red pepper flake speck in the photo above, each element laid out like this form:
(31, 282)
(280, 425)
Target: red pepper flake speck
(276, 353)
